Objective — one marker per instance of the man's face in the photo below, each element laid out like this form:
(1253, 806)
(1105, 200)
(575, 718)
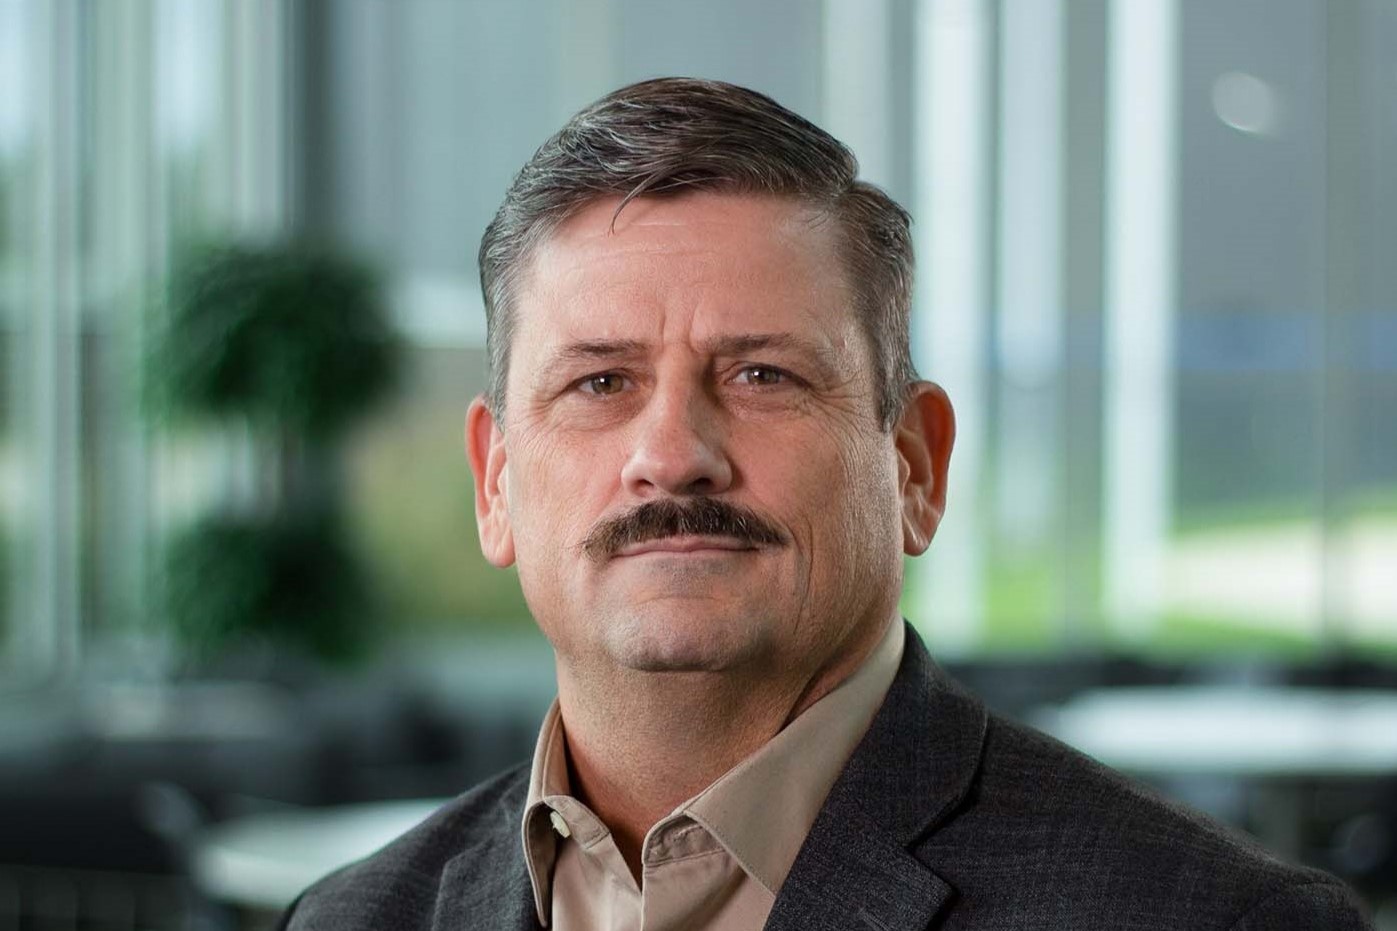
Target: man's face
(705, 351)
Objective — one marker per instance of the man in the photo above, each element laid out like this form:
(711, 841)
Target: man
(706, 451)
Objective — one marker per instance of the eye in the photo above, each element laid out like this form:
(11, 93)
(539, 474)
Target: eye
(602, 384)
(762, 376)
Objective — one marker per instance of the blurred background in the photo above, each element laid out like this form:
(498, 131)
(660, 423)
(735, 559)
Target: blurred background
(245, 627)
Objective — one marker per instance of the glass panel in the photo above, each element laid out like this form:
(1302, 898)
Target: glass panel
(16, 143)
(1171, 354)
(412, 505)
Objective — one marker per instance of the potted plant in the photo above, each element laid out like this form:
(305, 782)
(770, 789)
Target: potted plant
(293, 343)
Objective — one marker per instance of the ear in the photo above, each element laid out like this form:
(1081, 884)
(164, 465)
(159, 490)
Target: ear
(485, 449)
(924, 436)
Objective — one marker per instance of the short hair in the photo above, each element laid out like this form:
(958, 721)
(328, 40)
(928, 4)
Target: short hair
(670, 136)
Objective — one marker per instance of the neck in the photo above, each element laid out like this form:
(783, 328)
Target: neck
(642, 743)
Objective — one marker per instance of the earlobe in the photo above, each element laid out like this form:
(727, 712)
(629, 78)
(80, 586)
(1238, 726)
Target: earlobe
(486, 451)
(924, 436)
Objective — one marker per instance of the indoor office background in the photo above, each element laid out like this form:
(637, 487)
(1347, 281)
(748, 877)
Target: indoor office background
(1156, 246)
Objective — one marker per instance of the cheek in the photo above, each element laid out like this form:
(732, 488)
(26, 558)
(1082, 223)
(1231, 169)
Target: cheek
(546, 511)
(836, 491)
(865, 521)
(864, 466)
(558, 492)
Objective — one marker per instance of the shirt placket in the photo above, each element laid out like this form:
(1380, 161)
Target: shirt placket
(614, 900)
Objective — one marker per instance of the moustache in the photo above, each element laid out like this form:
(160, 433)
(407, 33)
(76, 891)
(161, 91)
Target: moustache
(674, 517)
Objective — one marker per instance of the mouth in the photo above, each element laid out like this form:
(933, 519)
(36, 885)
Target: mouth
(687, 545)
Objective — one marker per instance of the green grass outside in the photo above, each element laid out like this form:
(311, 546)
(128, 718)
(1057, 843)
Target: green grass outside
(1022, 602)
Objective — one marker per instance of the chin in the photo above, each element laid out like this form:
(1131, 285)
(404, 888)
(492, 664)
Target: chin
(673, 639)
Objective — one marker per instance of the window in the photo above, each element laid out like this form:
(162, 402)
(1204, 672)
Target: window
(127, 130)
(1153, 235)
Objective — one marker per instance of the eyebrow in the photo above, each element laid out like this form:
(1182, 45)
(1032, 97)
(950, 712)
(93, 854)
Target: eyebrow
(727, 345)
(742, 343)
(598, 349)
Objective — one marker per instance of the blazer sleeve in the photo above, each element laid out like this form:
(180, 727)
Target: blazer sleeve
(1311, 906)
(284, 922)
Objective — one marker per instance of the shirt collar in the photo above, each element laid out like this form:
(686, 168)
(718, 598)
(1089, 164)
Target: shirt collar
(548, 776)
(761, 809)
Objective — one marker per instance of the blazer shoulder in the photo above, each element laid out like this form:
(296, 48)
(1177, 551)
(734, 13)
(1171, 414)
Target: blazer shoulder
(1312, 906)
(397, 886)
(1076, 831)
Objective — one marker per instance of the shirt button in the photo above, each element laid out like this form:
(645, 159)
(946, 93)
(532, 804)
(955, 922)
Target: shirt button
(559, 824)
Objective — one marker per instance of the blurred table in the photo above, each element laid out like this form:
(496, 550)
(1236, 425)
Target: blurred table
(1232, 731)
(263, 861)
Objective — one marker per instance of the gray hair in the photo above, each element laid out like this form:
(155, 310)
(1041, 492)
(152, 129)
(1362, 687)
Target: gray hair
(673, 135)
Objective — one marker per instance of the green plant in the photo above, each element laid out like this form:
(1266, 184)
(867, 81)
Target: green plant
(285, 579)
(293, 338)
(295, 343)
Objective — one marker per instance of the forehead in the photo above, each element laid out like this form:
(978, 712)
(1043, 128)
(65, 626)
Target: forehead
(695, 260)
(761, 227)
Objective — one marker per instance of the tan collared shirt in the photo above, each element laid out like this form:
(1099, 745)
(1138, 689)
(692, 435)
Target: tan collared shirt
(717, 861)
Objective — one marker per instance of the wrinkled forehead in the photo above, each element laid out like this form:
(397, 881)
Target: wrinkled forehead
(741, 253)
(772, 220)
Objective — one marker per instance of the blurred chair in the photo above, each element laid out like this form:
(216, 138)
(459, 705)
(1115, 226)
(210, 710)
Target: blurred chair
(175, 816)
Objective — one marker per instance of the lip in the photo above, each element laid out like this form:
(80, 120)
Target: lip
(686, 545)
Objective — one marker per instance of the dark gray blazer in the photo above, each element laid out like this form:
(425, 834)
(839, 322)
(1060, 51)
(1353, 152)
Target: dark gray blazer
(945, 817)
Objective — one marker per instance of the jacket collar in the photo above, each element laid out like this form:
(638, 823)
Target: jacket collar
(486, 884)
(910, 773)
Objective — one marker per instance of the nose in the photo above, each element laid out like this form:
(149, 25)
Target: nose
(678, 447)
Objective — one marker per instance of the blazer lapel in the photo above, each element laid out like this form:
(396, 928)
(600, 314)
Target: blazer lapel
(850, 874)
(909, 773)
(487, 885)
